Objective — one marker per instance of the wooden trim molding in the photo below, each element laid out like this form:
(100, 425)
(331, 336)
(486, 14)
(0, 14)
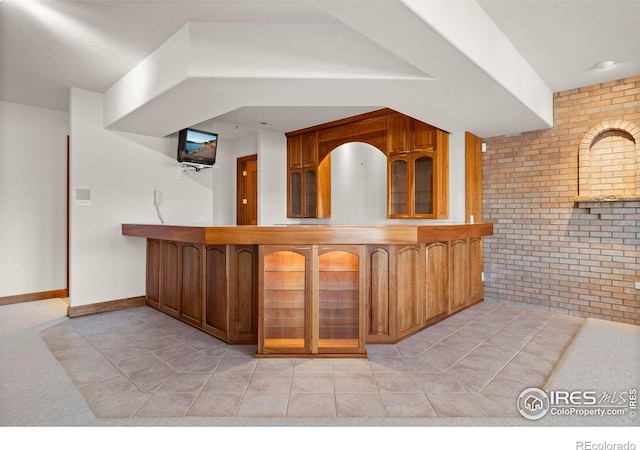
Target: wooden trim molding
(113, 305)
(34, 296)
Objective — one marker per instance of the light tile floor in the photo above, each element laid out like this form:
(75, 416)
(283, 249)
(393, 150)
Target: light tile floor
(142, 363)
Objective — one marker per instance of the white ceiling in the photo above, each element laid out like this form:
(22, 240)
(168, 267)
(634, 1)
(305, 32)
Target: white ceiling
(47, 47)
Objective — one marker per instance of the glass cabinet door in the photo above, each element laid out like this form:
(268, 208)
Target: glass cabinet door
(295, 194)
(284, 319)
(423, 182)
(338, 301)
(310, 193)
(398, 187)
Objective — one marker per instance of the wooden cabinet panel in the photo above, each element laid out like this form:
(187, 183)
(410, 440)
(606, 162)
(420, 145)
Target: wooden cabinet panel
(334, 134)
(294, 152)
(409, 289)
(458, 275)
(191, 298)
(473, 178)
(398, 134)
(437, 278)
(441, 169)
(379, 290)
(309, 144)
(170, 278)
(243, 294)
(476, 285)
(153, 273)
(423, 136)
(216, 300)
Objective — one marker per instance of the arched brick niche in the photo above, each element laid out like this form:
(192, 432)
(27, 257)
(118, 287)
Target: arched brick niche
(609, 162)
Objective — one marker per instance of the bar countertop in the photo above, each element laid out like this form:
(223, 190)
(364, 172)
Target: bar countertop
(308, 234)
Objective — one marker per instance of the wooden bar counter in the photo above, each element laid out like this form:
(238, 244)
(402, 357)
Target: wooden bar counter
(312, 290)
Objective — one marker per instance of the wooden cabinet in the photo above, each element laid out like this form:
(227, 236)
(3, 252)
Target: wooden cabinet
(417, 167)
(322, 299)
(285, 300)
(417, 170)
(212, 287)
(340, 312)
(394, 292)
(311, 301)
(308, 180)
(409, 287)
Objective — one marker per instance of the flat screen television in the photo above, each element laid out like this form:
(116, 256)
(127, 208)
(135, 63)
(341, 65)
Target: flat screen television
(197, 148)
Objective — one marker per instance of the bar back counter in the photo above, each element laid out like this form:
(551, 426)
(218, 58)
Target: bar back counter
(312, 290)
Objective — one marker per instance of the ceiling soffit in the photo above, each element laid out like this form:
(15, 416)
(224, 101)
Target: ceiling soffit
(420, 64)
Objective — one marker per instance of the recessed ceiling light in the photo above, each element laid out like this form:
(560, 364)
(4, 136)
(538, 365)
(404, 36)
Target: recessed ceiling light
(603, 65)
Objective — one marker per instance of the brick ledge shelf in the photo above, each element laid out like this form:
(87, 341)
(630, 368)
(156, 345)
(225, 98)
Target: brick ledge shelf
(607, 198)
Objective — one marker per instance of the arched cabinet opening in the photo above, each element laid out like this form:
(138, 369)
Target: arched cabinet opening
(417, 164)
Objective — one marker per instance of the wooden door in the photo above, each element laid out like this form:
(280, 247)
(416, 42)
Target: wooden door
(247, 190)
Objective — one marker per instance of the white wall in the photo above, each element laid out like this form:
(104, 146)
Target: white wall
(33, 155)
(272, 178)
(358, 184)
(122, 170)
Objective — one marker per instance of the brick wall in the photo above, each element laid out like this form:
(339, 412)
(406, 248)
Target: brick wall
(548, 251)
